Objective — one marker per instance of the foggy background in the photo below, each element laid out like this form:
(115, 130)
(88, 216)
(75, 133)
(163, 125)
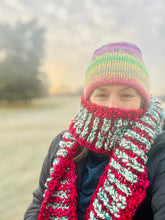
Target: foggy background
(72, 30)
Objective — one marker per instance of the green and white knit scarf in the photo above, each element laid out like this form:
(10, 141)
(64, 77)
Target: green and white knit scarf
(126, 136)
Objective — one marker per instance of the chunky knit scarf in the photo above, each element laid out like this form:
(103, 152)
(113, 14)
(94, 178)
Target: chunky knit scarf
(126, 136)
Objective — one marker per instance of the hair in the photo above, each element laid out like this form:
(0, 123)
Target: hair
(81, 154)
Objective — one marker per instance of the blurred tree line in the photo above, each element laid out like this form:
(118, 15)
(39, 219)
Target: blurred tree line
(21, 53)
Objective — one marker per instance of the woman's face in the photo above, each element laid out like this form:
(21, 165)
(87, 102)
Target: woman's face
(117, 96)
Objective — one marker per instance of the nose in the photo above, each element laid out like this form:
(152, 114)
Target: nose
(113, 102)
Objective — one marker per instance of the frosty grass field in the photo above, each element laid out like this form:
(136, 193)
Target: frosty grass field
(25, 135)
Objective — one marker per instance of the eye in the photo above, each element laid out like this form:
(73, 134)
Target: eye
(101, 95)
(127, 95)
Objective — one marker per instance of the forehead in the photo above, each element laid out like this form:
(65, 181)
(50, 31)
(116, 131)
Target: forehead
(114, 87)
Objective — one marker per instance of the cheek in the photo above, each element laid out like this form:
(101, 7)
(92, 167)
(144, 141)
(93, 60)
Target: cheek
(96, 101)
(138, 103)
(91, 98)
(134, 104)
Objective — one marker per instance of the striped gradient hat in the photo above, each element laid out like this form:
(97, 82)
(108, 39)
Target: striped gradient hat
(117, 63)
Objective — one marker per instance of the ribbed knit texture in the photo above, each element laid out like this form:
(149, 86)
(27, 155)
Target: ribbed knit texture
(117, 63)
(125, 136)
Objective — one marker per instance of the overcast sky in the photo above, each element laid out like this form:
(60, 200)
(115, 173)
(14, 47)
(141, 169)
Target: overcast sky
(75, 28)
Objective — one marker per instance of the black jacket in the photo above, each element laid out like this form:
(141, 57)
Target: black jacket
(152, 207)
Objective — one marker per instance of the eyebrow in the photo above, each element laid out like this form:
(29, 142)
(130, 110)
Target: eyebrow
(124, 88)
(101, 88)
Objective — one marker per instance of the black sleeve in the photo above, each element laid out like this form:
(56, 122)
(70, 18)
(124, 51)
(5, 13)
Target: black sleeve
(158, 187)
(34, 208)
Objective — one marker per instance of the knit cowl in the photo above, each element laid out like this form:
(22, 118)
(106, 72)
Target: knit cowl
(125, 136)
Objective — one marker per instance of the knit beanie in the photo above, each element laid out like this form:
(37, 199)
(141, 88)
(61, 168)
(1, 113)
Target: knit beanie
(117, 63)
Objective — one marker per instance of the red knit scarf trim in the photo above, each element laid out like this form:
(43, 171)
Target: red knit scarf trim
(126, 136)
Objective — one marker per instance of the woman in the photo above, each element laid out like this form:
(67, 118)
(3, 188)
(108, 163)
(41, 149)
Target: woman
(110, 163)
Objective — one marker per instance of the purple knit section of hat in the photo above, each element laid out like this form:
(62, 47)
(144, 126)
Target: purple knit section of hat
(130, 48)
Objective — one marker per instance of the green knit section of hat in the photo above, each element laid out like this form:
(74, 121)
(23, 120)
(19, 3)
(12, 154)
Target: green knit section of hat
(125, 62)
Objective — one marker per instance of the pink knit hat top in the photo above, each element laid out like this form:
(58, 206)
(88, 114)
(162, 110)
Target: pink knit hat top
(117, 63)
